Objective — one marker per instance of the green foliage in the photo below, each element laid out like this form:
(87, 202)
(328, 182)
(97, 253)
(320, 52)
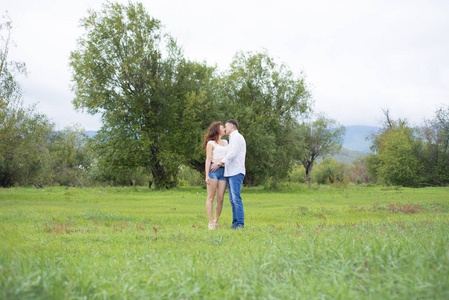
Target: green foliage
(135, 243)
(202, 97)
(435, 155)
(265, 98)
(105, 175)
(298, 174)
(331, 171)
(398, 163)
(190, 177)
(397, 148)
(359, 171)
(23, 154)
(70, 159)
(130, 71)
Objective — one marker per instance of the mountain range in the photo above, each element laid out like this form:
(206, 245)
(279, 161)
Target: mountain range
(357, 138)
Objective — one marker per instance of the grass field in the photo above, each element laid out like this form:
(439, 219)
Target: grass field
(307, 243)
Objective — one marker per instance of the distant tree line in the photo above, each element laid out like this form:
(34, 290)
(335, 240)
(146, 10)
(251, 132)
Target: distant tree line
(402, 155)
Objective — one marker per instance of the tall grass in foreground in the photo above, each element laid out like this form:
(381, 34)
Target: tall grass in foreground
(135, 243)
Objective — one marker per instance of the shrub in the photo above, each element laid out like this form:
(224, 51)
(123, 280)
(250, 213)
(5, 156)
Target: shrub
(330, 171)
(358, 171)
(101, 175)
(189, 176)
(298, 174)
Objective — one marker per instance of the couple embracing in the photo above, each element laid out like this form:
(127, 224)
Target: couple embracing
(225, 167)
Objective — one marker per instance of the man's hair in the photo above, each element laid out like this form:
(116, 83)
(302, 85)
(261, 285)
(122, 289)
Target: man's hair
(233, 122)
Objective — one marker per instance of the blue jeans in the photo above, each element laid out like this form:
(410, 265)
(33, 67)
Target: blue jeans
(235, 188)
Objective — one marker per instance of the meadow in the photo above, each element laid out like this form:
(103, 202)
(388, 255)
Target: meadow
(322, 242)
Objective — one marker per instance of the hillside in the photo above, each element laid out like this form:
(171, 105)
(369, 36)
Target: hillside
(355, 143)
(347, 156)
(356, 138)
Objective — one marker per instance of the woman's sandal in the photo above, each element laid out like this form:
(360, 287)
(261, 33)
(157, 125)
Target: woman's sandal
(211, 226)
(216, 225)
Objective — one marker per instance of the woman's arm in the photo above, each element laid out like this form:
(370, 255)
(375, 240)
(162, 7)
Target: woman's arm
(209, 149)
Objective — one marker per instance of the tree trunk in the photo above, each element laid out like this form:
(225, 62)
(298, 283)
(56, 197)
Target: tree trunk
(161, 178)
(308, 166)
(249, 181)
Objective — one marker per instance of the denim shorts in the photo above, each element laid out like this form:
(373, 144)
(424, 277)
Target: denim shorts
(218, 174)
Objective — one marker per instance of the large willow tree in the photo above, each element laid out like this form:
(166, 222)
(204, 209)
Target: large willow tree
(126, 69)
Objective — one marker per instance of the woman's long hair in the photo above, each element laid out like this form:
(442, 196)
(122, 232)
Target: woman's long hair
(213, 133)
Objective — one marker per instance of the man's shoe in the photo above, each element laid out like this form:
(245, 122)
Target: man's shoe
(237, 226)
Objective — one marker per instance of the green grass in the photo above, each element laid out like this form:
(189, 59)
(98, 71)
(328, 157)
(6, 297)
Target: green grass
(135, 243)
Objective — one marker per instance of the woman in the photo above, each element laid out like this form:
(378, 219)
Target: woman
(216, 182)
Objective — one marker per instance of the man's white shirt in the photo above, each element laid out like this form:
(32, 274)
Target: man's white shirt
(235, 157)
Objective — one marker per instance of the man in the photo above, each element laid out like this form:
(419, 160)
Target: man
(234, 163)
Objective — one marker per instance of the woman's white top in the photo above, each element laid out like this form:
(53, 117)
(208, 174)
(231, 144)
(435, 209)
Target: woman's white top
(218, 151)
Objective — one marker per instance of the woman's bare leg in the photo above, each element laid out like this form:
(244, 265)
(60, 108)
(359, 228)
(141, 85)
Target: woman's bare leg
(211, 189)
(221, 189)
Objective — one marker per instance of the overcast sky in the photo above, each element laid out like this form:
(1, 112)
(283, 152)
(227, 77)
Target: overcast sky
(358, 56)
